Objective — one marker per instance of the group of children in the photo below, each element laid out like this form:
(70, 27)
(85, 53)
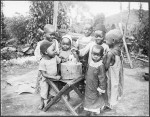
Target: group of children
(104, 70)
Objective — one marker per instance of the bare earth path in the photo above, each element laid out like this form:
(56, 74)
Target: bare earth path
(135, 101)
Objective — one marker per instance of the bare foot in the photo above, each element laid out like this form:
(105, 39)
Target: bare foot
(41, 106)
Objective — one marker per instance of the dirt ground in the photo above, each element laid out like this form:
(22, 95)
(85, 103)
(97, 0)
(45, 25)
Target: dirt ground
(135, 101)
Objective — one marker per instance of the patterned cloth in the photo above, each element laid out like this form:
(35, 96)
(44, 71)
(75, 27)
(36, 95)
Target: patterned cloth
(95, 78)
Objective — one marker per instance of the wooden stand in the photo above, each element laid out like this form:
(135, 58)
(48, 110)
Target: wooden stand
(70, 85)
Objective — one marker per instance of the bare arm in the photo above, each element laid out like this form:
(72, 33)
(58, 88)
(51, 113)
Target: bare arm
(107, 60)
(53, 78)
(85, 50)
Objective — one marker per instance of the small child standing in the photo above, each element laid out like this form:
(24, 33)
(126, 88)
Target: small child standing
(95, 83)
(114, 66)
(67, 52)
(48, 32)
(48, 69)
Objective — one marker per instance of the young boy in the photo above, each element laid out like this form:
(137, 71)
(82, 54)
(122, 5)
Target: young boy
(98, 37)
(95, 83)
(48, 32)
(48, 69)
(114, 66)
(84, 40)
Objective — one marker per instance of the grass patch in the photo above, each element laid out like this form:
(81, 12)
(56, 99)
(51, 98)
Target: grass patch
(18, 66)
(136, 63)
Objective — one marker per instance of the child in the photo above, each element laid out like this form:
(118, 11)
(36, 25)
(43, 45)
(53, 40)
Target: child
(48, 32)
(66, 52)
(84, 40)
(98, 37)
(114, 67)
(95, 83)
(48, 69)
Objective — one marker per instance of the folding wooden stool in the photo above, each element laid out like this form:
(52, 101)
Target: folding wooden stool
(70, 85)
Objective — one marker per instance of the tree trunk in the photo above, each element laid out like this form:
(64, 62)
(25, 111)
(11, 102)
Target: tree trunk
(55, 14)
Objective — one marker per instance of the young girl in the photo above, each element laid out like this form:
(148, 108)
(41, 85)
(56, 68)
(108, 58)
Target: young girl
(67, 52)
(95, 83)
(48, 33)
(114, 67)
(48, 69)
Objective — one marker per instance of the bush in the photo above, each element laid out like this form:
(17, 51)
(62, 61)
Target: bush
(16, 27)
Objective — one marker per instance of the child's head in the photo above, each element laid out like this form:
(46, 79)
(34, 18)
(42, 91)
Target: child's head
(46, 48)
(114, 38)
(66, 42)
(97, 53)
(98, 36)
(87, 30)
(49, 31)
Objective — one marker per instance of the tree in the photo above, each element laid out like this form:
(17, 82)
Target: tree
(99, 23)
(41, 13)
(4, 35)
(16, 28)
(113, 26)
(142, 33)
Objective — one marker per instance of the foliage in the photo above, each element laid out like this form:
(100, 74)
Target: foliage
(41, 13)
(113, 26)
(138, 26)
(142, 35)
(99, 22)
(4, 35)
(16, 28)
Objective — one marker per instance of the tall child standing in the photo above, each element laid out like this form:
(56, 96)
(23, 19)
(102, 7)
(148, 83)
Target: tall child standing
(48, 33)
(114, 66)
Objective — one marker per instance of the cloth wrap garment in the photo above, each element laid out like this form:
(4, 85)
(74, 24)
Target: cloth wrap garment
(95, 78)
(115, 80)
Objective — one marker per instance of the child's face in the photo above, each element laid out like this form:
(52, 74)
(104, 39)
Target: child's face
(48, 36)
(87, 32)
(51, 51)
(99, 39)
(66, 44)
(96, 54)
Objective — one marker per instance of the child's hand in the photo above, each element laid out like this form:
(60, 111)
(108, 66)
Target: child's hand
(58, 77)
(75, 51)
(64, 60)
(100, 91)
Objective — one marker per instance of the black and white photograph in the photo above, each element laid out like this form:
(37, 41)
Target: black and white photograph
(75, 58)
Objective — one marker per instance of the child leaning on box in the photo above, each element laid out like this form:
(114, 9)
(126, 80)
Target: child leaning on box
(48, 33)
(48, 69)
